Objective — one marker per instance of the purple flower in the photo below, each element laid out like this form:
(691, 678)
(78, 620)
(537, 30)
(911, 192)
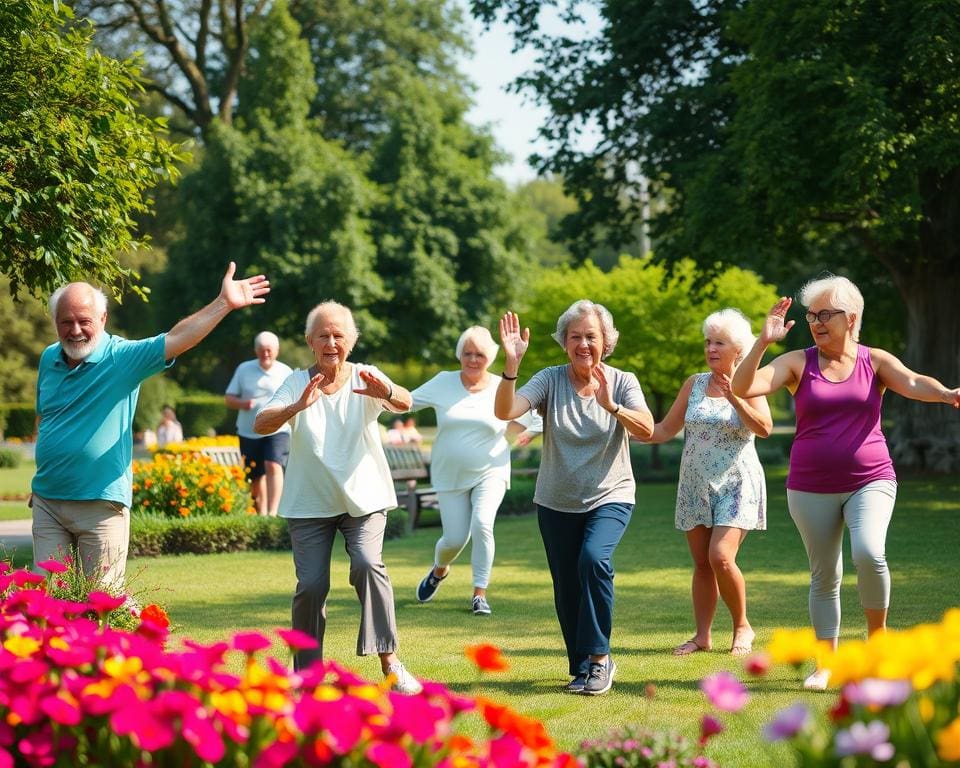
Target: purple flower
(865, 739)
(725, 692)
(878, 693)
(787, 723)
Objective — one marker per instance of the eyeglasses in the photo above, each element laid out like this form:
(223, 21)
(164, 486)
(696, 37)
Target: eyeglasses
(823, 316)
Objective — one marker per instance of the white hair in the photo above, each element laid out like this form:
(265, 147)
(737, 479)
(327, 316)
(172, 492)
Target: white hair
(326, 307)
(839, 292)
(733, 324)
(482, 338)
(99, 298)
(266, 339)
(584, 308)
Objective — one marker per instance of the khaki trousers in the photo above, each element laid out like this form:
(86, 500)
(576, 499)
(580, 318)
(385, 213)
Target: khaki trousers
(312, 540)
(98, 530)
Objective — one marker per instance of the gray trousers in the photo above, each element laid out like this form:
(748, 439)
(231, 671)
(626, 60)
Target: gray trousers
(312, 540)
(820, 518)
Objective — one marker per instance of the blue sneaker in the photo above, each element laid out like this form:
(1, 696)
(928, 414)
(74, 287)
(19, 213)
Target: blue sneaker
(429, 586)
(577, 684)
(599, 677)
(480, 606)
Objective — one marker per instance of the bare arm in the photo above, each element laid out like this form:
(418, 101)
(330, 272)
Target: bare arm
(894, 375)
(754, 412)
(233, 294)
(269, 420)
(672, 423)
(397, 398)
(507, 405)
(783, 371)
(639, 424)
(237, 403)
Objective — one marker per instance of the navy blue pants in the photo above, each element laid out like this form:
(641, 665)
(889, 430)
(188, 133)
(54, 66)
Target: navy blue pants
(579, 551)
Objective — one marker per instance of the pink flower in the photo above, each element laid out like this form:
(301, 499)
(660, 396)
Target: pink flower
(757, 664)
(297, 640)
(102, 603)
(709, 727)
(62, 709)
(250, 642)
(388, 756)
(52, 566)
(725, 692)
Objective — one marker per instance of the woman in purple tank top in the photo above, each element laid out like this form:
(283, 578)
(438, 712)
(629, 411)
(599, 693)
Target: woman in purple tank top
(840, 468)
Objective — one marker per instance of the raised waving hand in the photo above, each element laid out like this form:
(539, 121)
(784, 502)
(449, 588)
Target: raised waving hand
(514, 341)
(776, 325)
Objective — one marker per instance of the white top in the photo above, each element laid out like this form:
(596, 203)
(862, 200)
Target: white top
(337, 464)
(169, 432)
(471, 442)
(251, 382)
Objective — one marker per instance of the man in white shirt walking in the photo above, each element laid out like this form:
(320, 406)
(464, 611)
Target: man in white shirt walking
(252, 385)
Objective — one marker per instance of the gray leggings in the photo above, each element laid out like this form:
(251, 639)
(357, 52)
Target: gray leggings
(820, 518)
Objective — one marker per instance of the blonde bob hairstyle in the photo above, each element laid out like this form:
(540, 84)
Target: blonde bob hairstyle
(732, 324)
(841, 293)
(584, 308)
(482, 338)
(333, 308)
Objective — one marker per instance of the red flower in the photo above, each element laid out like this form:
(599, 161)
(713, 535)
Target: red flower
(841, 710)
(155, 615)
(709, 726)
(757, 664)
(487, 657)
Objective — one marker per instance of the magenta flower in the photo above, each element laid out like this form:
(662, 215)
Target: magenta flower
(297, 640)
(865, 739)
(62, 710)
(787, 723)
(874, 692)
(101, 602)
(52, 566)
(250, 642)
(725, 692)
(388, 756)
(709, 727)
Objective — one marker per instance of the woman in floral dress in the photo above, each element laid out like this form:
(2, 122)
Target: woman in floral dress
(721, 493)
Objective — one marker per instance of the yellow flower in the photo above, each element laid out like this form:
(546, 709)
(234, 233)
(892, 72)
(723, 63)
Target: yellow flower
(793, 647)
(926, 709)
(21, 646)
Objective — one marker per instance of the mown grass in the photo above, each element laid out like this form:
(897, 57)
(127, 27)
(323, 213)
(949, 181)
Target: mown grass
(211, 596)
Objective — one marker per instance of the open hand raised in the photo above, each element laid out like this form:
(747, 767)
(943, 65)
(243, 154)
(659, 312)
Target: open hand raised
(243, 293)
(514, 341)
(375, 387)
(311, 392)
(776, 325)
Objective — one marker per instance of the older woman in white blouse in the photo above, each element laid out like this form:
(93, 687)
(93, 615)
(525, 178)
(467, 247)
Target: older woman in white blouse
(470, 462)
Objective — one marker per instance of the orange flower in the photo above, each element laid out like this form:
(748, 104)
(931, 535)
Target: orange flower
(487, 657)
(155, 615)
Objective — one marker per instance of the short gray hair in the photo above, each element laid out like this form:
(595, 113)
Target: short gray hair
(733, 324)
(99, 298)
(583, 308)
(333, 306)
(841, 293)
(482, 338)
(266, 339)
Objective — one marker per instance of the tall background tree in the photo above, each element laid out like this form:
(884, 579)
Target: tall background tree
(77, 160)
(788, 136)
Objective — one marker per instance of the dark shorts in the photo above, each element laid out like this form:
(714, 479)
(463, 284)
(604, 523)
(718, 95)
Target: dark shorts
(258, 450)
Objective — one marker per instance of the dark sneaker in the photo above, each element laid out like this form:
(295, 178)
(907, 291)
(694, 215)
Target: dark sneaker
(600, 677)
(480, 606)
(429, 586)
(576, 685)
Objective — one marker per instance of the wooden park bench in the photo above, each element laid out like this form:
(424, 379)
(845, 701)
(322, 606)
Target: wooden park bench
(407, 468)
(227, 455)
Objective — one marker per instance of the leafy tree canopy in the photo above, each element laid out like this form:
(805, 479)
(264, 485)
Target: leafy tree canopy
(77, 159)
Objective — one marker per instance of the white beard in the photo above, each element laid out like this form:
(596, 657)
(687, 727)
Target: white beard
(79, 350)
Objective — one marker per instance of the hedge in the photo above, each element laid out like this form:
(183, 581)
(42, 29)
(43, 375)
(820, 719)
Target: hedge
(17, 420)
(154, 535)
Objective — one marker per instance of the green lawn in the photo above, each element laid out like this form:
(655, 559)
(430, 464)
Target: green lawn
(16, 481)
(211, 596)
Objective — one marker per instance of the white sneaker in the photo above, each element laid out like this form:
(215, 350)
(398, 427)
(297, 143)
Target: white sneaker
(403, 681)
(817, 681)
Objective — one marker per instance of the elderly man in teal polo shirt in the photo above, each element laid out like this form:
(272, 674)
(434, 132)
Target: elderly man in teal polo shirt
(87, 388)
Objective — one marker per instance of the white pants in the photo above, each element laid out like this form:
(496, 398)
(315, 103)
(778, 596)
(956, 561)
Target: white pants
(820, 518)
(470, 513)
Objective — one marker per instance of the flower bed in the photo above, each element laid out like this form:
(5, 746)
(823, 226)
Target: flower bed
(74, 691)
(182, 484)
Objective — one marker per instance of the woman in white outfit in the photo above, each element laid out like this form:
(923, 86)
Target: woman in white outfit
(721, 493)
(470, 461)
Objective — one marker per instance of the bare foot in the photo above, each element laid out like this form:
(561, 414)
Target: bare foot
(690, 646)
(743, 642)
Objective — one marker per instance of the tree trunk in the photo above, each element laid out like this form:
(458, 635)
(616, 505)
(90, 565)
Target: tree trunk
(926, 436)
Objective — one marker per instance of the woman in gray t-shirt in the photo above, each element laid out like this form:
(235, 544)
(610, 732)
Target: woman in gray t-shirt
(585, 488)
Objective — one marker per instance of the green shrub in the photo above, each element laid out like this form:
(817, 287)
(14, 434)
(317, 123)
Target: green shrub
(199, 414)
(18, 420)
(396, 524)
(518, 499)
(9, 458)
(155, 392)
